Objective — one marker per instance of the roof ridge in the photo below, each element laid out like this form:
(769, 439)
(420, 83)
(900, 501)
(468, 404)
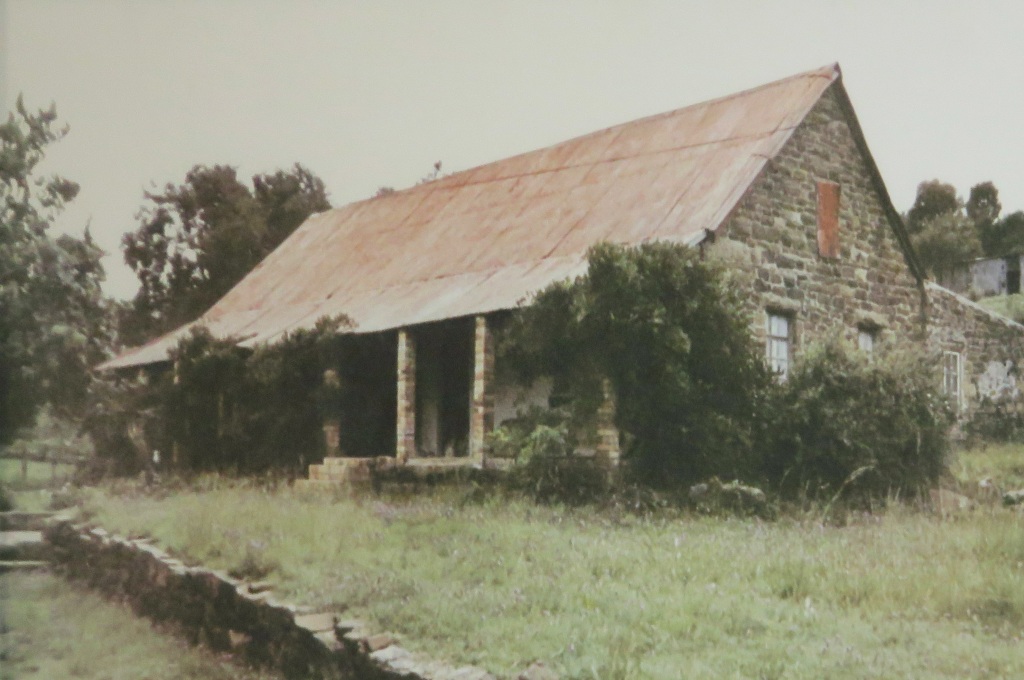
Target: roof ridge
(831, 71)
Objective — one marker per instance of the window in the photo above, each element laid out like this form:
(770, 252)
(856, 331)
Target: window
(828, 219)
(778, 343)
(866, 337)
(951, 376)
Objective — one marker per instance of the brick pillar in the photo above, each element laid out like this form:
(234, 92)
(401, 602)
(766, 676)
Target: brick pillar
(607, 433)
(332, 421)
(481, 416)
(405, 442)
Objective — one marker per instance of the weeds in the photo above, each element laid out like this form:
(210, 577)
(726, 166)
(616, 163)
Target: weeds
(500, 581)
(52, 629)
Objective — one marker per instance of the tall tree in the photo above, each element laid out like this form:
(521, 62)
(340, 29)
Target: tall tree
(198, 239)
(54, 321)
(933, 198)
(945, 242)
(1005, 236)
(943, 235)
(983, 208)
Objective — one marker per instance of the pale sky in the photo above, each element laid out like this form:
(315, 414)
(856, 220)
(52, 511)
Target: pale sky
(373, 93)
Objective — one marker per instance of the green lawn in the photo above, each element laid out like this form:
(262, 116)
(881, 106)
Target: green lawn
(34, 474)
(31, 487)
(50, 629)
(500, 583)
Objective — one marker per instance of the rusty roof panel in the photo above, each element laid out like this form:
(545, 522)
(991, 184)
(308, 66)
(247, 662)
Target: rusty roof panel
(484, 239)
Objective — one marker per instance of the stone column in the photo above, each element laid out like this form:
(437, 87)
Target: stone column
(332, 419)
(607, 433)
(481, 416)
(405, 441)
(176, 457)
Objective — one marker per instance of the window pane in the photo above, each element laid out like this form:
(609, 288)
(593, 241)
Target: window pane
(778, 344)
(866, 340)
(778, 326)
(951, 375)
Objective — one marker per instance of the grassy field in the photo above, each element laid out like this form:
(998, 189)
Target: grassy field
(1010, 306)
(50, 629)
(36, 475)
(501, 582)
(31, 487)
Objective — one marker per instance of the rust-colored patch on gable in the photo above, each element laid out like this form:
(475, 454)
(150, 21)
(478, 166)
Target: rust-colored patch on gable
(828, 219)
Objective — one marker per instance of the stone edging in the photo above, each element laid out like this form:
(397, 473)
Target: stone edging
(227, 614)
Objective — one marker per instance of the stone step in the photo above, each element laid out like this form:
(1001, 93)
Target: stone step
(316, 485)
(19, 520)
(22, 565)
(23, 545)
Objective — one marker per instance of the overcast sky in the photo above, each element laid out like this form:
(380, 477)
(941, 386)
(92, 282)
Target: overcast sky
(373, 93)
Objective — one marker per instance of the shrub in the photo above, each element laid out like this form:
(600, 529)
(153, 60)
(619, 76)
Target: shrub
(543, 445)
(252, 410)
(120, 408)
(848, 421)
(670, 334)
(224, 406)
(996, 420)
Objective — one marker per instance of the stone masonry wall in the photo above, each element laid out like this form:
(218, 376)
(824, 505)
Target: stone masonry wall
(991, 347)
(771, 240)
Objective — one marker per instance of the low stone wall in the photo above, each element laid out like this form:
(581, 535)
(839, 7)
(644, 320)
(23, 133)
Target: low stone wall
(226, 614)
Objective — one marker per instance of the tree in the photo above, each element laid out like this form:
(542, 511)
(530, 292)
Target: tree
(945, 241)
(1005, 236)
(946, 231)
(943, 235)
(933, 198)
(196, 240)
(54, 323)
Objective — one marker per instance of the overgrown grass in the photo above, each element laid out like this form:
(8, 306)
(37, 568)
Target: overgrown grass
(1010, 306)
(50, 629)
(502, 582)
(1003, 464)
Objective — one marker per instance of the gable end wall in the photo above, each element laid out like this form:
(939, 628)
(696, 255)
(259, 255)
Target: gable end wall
(772, 240)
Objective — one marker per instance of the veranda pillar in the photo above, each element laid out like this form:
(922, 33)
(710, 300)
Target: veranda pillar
(332, 421)
(607, 434)
(481, 419)
(405, 442)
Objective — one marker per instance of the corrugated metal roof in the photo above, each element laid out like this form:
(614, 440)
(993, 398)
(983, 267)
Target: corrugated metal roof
(484, 239)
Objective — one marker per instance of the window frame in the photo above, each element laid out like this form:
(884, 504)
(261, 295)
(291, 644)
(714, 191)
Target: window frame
(956, 377)
(779, 365)
(870, 335)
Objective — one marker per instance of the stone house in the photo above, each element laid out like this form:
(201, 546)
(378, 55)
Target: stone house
(777, 181)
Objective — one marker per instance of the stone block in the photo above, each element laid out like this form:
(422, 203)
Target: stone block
(316, 623)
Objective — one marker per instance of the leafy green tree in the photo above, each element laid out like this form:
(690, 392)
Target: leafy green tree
(983, 207)
(934, 198)
(943, 234)
(1005, 236)
(198, 239)
(946, 231)
(946, 241)
(671, 336)
(54, 321)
